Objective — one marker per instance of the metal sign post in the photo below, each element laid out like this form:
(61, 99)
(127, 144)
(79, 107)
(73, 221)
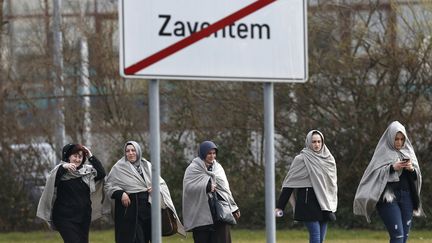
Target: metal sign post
(155, 160)
(269, 163)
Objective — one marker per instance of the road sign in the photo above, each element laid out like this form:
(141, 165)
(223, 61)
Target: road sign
(243, 40)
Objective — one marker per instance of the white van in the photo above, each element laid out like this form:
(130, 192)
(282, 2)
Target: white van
(33, 163)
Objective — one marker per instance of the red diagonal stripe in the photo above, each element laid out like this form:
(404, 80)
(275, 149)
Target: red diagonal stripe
(196, 36)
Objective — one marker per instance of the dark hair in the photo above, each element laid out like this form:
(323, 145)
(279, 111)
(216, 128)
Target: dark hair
(70, 149)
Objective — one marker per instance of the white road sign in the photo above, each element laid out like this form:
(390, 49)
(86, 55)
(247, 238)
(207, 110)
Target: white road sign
(242, 40)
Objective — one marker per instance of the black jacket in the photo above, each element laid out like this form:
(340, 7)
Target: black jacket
(406, 183)
(73, 202)
(307, 207)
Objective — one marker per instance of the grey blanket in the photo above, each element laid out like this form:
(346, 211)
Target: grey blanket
(377, 173)
(196, 210)
(316, 170)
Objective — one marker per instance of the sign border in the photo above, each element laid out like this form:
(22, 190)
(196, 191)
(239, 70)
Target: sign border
(132, 70)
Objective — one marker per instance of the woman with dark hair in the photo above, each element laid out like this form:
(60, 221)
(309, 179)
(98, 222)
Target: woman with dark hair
(203, 176)
(311, 182)
(66, 202)
(129, 185)
(391, 184)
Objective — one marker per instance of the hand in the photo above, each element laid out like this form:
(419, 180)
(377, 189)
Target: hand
(88, 153)
(237, 214)
(399, 165)
(70, 167)
(278, 212)
(149, 189)
(409, 165)
(125, 199)
(213, 188)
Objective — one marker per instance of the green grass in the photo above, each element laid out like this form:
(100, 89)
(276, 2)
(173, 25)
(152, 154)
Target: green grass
(239, 236)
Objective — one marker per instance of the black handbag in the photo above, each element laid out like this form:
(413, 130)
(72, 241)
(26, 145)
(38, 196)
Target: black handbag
(329, 216)
(169, 222)
(221, 210)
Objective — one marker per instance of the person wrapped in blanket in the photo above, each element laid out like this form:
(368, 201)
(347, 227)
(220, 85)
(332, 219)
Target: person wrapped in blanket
(311, 187)
(72, 196)
(129, 185)
(391, 184)
(203, 176)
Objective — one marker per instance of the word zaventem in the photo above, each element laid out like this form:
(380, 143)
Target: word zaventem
(241, 30)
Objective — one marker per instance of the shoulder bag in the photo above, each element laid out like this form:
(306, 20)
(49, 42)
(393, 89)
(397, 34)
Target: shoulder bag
(169, 222)
(221, 210)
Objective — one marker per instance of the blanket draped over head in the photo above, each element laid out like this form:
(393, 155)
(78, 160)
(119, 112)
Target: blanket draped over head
(377, 173)
(123, 176)
(316, 170)
(87, 173)
(196, 209)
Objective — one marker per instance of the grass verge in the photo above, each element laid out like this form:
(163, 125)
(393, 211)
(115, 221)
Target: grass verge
(238, 236)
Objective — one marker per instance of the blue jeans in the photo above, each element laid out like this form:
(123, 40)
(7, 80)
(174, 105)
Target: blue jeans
(317, 231)
(397, 216)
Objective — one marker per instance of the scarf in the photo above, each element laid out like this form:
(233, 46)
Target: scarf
(196, 209)
(316, 170)
(87, 173)
(377, 173)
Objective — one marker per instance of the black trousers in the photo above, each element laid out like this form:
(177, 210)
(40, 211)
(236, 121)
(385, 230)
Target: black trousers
(133, 223)
(143, 232)
(217, 233)
(72, 232)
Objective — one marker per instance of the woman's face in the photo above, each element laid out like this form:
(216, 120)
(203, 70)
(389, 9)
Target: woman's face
(211, 156)
(399, 141)
(131, 154)
(76, 158)
(316, 142)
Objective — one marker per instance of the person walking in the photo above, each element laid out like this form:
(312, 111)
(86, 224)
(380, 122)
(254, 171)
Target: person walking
(311, 182)
(203, 177)
(391, 184)
(69, 194)
(129, 185)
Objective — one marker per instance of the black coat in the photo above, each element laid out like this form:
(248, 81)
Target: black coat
(127, 219)
(73, 202)
(307, 207)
